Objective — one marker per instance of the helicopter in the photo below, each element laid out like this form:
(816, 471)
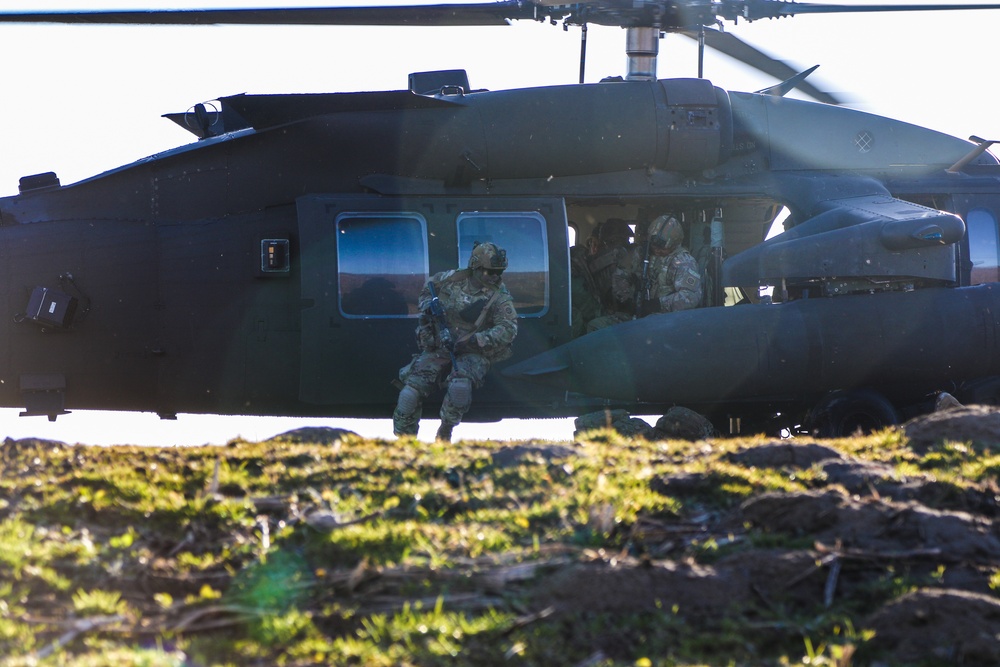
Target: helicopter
(222, 277)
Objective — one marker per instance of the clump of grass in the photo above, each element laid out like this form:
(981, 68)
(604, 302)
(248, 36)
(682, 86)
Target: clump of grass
(415, 635)
(99, 603)
(27, 552)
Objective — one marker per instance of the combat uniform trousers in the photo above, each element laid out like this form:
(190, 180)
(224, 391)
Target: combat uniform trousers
(428, 371)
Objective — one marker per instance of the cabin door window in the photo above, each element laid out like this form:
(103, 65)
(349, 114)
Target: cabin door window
(382, 264)
(522, 235)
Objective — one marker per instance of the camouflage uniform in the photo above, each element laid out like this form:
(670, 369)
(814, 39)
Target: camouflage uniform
(675, 282)
(611, 251)
(673, 278)
(482, 322)
(585, 305)
(607, 247)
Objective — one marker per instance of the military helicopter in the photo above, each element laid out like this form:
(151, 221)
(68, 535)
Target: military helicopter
(237, 275)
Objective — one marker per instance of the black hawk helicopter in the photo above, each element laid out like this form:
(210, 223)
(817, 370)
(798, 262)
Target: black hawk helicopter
(271, 267)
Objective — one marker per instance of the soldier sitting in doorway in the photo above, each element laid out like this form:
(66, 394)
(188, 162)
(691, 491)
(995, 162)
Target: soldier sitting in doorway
(467, 322)
(658, 276)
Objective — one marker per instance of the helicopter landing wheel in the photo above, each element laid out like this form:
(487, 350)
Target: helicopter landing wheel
(841, 414)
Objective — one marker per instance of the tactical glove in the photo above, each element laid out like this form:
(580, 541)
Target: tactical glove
(649, 307)
(470, 346)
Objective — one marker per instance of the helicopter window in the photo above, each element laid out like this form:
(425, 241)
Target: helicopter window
(984, 247)
(382, 263)
(522, 235)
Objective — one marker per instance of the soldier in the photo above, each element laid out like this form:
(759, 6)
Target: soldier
(660, 277)
(585, 305)
(592, 266)
(612, 248)
(467, 322)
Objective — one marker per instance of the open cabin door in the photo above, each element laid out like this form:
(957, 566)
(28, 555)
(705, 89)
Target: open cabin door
(365, 260)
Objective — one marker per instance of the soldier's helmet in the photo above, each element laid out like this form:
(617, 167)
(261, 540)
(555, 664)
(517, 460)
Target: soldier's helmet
(488, 256)
(666, 232)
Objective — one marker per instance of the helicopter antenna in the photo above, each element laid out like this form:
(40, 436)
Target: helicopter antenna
(729, 45)
(701, 52)
(583, 51)
(788, 85)
(983, 144)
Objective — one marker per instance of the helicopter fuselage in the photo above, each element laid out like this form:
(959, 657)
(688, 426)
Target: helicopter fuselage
(272, 267)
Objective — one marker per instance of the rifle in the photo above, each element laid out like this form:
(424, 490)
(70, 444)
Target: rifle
(444, 333)
(642, 289)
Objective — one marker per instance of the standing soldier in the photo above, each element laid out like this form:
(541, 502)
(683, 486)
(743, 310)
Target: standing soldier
(660, 276)
(467, 322)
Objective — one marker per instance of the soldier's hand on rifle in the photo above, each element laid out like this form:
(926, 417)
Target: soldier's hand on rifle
(446, 340)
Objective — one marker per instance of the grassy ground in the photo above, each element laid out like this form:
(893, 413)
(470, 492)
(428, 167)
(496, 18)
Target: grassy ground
(602, 551)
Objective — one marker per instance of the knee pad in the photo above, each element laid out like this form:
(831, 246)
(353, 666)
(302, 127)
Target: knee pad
(409, 400)
(460, 393)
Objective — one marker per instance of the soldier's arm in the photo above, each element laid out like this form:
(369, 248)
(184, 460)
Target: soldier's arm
(686, 285)
(622, 285)
(427, 325)
(503, 330)
(424, 300)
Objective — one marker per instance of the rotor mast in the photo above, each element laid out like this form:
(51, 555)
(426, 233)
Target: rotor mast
(642, 45)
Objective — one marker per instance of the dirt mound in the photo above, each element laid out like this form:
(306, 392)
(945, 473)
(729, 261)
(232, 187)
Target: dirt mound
(704, 591)
(974, 423)
(319, 435)
(875, 524)
(784, 454)
(864, 522)
(945, 627)
(507, 457)
(699, 593)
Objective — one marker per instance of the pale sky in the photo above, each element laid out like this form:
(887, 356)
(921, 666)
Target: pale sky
(79, 100)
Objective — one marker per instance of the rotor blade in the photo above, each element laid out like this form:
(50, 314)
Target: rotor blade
(772, 9)
(734, 47)
(664, 14)
(482, 14)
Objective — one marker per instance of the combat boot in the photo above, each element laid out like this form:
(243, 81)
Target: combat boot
(444, 432)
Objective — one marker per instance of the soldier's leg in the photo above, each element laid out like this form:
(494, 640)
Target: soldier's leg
(606, 321)
(470, 373)
(420, 378)
(406, 417)
(457, 400)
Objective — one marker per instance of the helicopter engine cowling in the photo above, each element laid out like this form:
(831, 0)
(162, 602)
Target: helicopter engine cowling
(680, 125)
(855, 230)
